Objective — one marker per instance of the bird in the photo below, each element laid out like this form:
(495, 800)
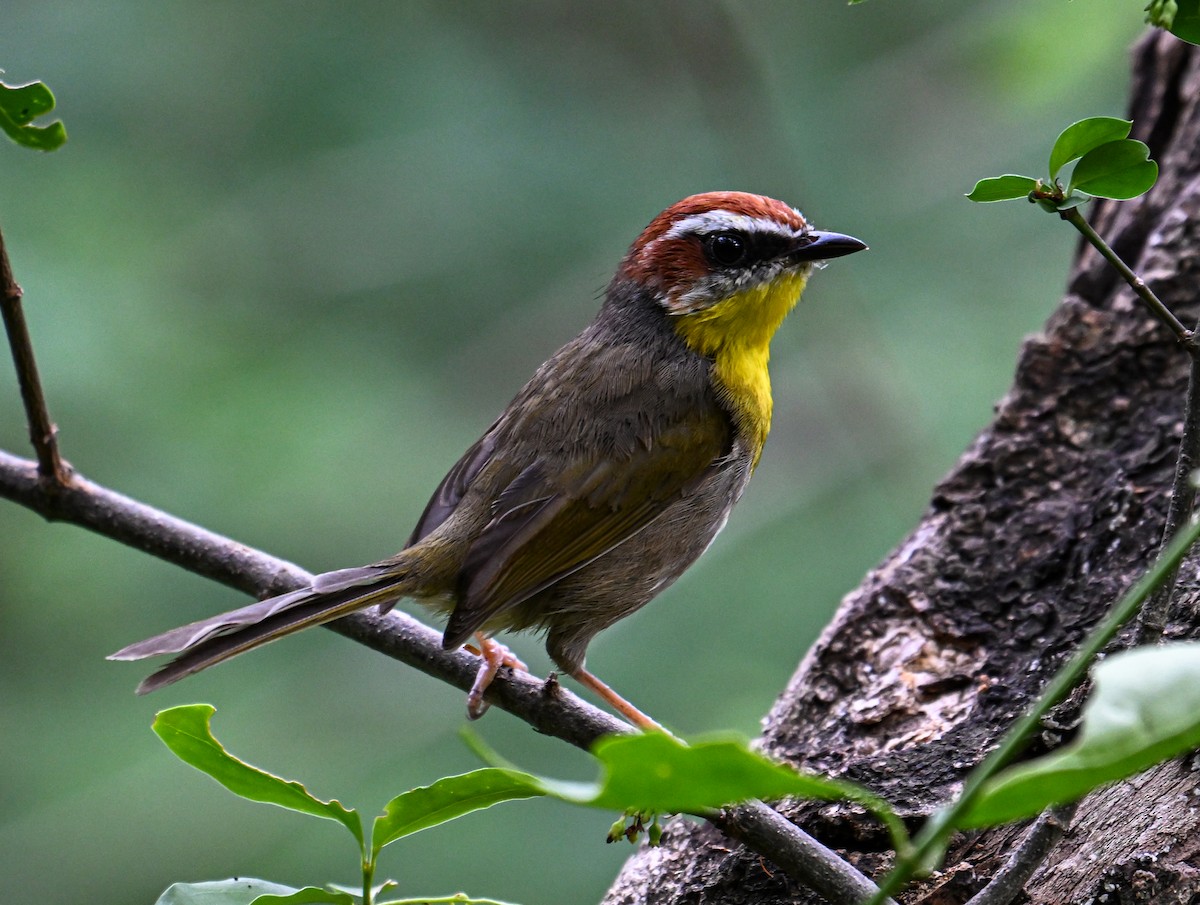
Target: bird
(608, 474)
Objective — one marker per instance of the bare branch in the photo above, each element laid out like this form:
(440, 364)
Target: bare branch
(42, 432)
(1009, 881)
(198, 550)
(547, 707)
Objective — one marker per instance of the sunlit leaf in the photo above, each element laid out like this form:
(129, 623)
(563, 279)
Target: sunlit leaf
(1144, 709)
(234, 891)
(448, 798)
(185, 730)
(1118, 170)
(1078, 138)
(19, 106)
(1002, 188)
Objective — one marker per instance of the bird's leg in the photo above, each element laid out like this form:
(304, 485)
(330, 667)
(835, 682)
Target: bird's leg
(494, 655)
(618, 703)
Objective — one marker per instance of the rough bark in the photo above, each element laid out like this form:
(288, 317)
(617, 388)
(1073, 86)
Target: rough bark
(1049, 515)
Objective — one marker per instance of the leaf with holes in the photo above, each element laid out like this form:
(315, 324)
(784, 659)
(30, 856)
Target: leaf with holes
(19, 106)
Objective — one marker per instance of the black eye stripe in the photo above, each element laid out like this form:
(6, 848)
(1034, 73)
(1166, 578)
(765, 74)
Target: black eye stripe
(726, 248)
(731, 248)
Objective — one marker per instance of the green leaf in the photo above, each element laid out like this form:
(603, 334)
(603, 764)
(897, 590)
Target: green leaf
(19, 105)
(1119, 170)
(24, 103)
(1186, 25)
(1181, 18)
(448, 798)
(185, 730)
(656, 772)
(1002, 188)
(1078, 138)
(1145, 709)
(307, 896)
(1075, 199)
(457, 899)
(234, 891)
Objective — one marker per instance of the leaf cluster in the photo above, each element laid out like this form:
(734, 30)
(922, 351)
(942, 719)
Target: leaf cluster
(1110, 165)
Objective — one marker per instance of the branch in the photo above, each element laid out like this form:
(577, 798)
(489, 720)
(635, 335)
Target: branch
(557, 712)
(1009, 881)
(42, 432)
(1152, 621)
(84, 503)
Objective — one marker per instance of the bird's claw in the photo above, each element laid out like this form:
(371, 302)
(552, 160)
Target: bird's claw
(494, 655)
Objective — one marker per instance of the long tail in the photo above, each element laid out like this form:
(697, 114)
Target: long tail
(210, 641)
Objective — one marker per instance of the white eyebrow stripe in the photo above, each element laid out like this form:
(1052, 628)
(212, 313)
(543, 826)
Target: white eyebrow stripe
(715, 221)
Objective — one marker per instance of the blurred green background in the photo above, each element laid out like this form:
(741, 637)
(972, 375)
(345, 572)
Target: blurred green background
(296, 256)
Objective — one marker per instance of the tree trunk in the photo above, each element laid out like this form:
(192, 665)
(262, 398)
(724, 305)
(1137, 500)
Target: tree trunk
(1048, 517)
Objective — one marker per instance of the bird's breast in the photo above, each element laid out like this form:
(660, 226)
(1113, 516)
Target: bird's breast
(735, 335)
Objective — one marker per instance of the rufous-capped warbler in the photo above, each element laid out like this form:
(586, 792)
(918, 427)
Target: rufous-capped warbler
(609, 473)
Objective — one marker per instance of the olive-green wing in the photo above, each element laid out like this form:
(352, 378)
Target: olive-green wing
(556, 517)
(449, 492)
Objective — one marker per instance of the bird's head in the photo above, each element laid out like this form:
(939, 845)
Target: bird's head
(726, 268)
(708, 248)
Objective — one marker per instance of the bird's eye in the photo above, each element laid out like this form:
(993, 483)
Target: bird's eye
(726, 249)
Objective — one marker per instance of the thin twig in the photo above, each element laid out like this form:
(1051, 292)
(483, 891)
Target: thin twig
(550, 709)
(396, 634)
(1008, 882)
(42, 432)
(1186, 337)
(805, 859)
(1152, 621)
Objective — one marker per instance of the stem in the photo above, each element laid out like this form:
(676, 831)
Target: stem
(456, 899)
(933, 835)
(1153, 619)
(368, 874)
(1186, 337)
(798, 854)
(1008, 882)
(42, 432)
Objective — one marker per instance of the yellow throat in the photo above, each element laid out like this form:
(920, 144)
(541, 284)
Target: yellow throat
(736, 333)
